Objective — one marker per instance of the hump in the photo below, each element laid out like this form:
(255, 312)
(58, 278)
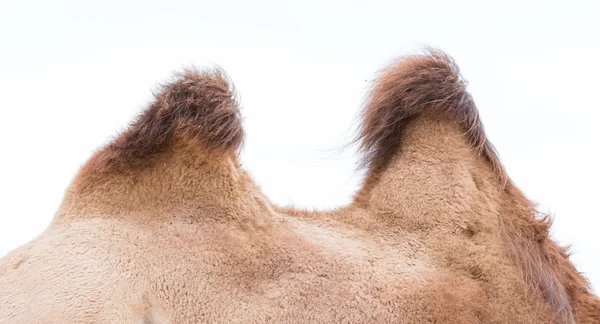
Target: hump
(424, 83)
(195, 105)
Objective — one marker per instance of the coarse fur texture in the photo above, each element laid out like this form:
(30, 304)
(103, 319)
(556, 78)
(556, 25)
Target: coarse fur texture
(162, 225)
(200, 105)
(411, 87)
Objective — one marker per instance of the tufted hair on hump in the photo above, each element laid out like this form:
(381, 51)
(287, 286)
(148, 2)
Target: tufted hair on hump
(197, 104)
(429, 82)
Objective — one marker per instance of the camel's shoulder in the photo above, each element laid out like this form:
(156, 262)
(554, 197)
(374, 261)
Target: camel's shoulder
(79, 272)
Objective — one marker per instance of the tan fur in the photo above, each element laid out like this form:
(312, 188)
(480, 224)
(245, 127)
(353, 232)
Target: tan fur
(163, 226)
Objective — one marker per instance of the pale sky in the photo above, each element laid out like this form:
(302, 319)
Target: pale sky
(74, 73)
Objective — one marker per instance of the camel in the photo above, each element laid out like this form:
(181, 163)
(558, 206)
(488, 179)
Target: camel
(163, 225)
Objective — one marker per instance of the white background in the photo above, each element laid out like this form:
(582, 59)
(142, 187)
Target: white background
(74, 73)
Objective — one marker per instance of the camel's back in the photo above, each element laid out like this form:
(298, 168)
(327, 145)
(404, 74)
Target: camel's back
(102, 270)
(163, 225)
(292, 270)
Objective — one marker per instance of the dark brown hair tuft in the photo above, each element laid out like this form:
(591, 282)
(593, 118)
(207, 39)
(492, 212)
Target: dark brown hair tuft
(429, 82)
(196, 104)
